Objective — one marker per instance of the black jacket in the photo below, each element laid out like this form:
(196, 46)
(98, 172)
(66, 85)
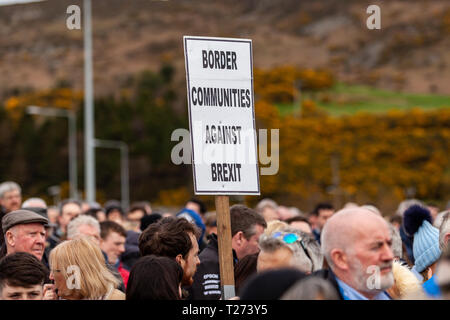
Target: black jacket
(132, 253)
(328, 275)
(206, 284)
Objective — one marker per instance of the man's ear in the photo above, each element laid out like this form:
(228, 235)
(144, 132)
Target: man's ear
(10, 238)
(238, 238)
(339, 259)
(447, 239)
(179, 259)
(429, 272)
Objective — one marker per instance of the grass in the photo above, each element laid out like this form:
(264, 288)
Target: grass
(345, 99)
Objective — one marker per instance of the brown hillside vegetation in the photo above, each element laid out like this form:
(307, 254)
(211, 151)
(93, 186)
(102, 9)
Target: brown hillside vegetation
(37, 51)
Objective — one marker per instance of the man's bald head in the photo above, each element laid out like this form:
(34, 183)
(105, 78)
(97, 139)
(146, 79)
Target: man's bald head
(346, 227)
(357, 245)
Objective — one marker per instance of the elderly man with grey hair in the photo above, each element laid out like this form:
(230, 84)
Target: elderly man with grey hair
(444, 231)
(356, 244)
(10, 196)
(267, 208)
(34, 203)
(24, 231)
(87, 226)
(289, 247)
(39, 206)
(84, 226)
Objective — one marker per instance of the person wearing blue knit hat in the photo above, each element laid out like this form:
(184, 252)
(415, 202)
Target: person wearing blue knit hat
(194, 218)
(417, 222)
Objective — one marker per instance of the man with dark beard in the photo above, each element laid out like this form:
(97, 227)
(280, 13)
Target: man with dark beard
(356, 243)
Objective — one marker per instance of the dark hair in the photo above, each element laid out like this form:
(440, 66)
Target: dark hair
(112, 205)
(200, 203)
(149, 219)
(244, 219)
(136, 207)
(22, 269)
(92, 212)
(168, 237)
(3, 250)
(154, 278)
(142, 204)
(68, 201)
(322, 206)
(106, 227)
(297, 218)
(243, 269)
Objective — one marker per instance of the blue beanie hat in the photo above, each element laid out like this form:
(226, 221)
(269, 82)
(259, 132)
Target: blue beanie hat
(194, 218)
(417, 221)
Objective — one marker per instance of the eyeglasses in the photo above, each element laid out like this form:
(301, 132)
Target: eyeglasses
(290, 238)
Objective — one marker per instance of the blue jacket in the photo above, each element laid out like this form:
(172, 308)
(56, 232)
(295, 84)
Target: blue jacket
(431, 288)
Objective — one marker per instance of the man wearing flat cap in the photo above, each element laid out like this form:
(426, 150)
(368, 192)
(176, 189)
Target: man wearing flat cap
(24, 231)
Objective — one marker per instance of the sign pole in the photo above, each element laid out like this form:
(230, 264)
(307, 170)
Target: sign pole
(219, 78)
(225, 249)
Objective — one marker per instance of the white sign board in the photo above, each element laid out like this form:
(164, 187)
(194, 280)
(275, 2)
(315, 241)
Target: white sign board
(219, 73)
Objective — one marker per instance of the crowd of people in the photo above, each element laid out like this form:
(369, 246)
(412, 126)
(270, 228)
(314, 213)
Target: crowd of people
(85, 251)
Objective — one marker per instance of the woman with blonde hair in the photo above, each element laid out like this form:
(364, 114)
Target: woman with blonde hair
(79, 272)
(275, 225)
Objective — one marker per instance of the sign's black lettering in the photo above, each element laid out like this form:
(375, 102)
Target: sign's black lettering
(228, 172)
(219, 59)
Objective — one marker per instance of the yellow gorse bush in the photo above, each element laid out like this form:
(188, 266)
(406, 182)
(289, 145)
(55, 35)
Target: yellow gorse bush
(64, 98)
(378, 156)
(281, 84)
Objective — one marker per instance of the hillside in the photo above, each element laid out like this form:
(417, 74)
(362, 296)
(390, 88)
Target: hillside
(410, 53)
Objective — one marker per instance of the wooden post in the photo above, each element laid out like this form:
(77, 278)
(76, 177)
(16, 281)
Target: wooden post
(225, 249)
